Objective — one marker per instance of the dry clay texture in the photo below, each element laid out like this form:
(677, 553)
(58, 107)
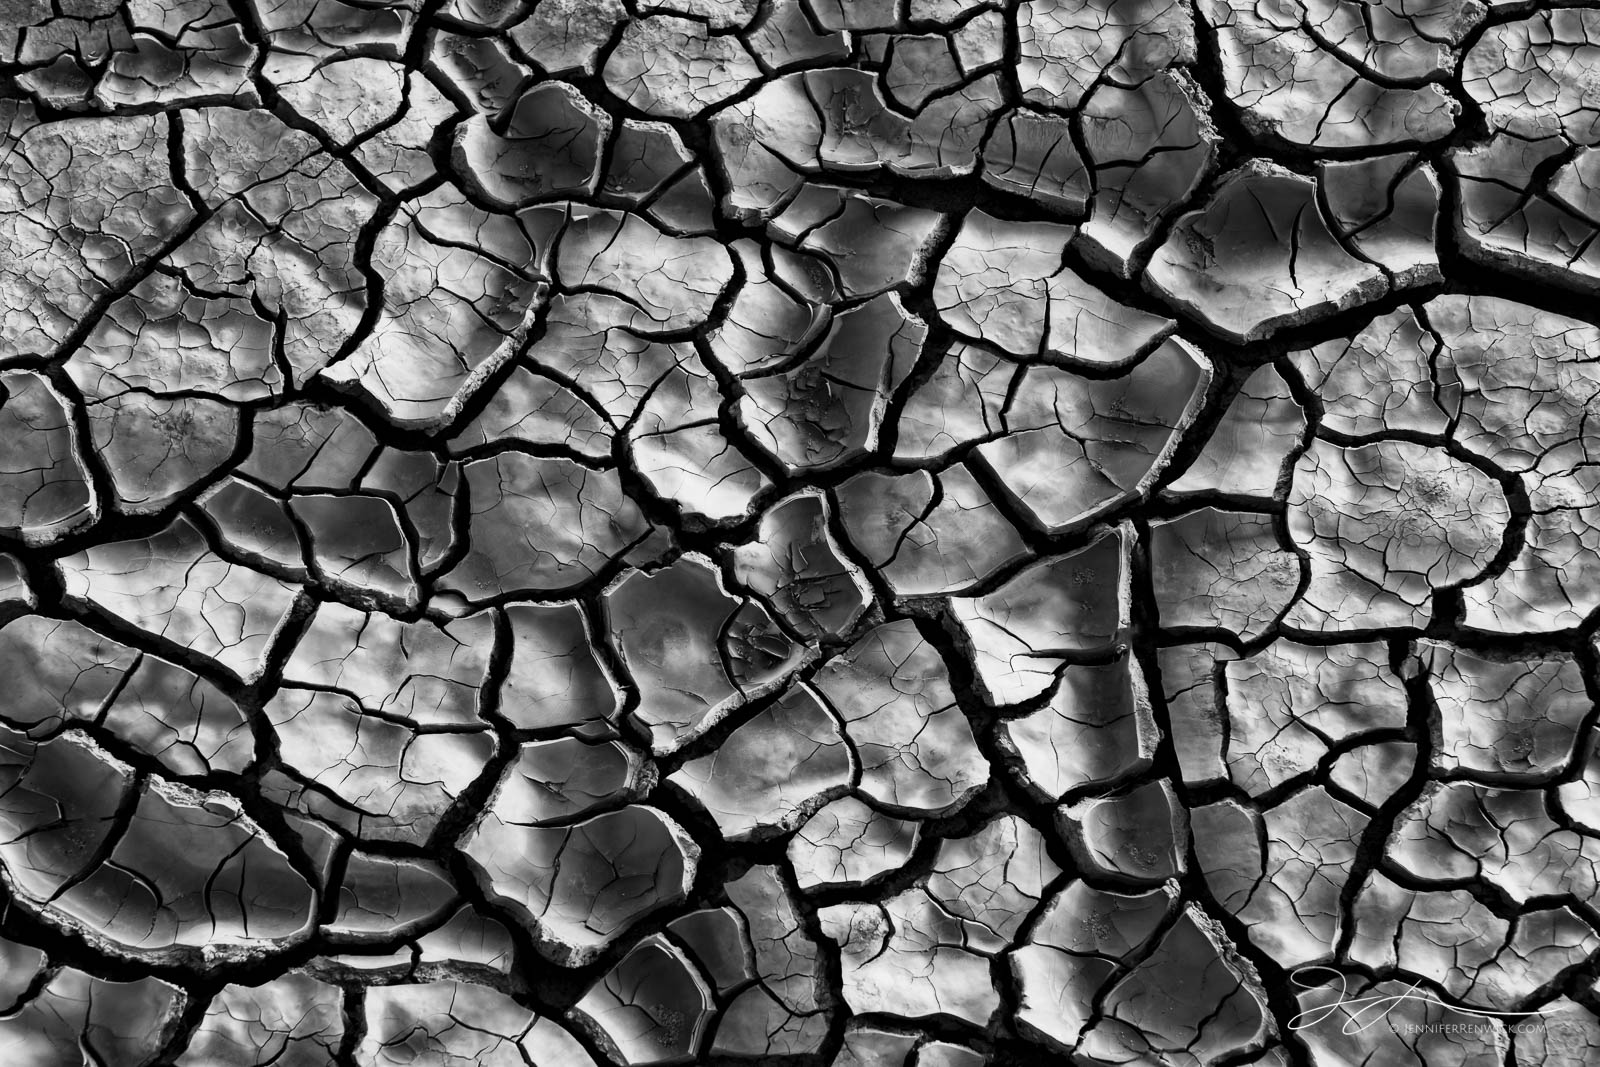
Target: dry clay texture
(870, 533)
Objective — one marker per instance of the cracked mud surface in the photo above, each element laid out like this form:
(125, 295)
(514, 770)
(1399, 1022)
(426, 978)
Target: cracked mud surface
(872, 533)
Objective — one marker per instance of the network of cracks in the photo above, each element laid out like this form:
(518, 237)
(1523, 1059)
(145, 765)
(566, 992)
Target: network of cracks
(872, 533)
